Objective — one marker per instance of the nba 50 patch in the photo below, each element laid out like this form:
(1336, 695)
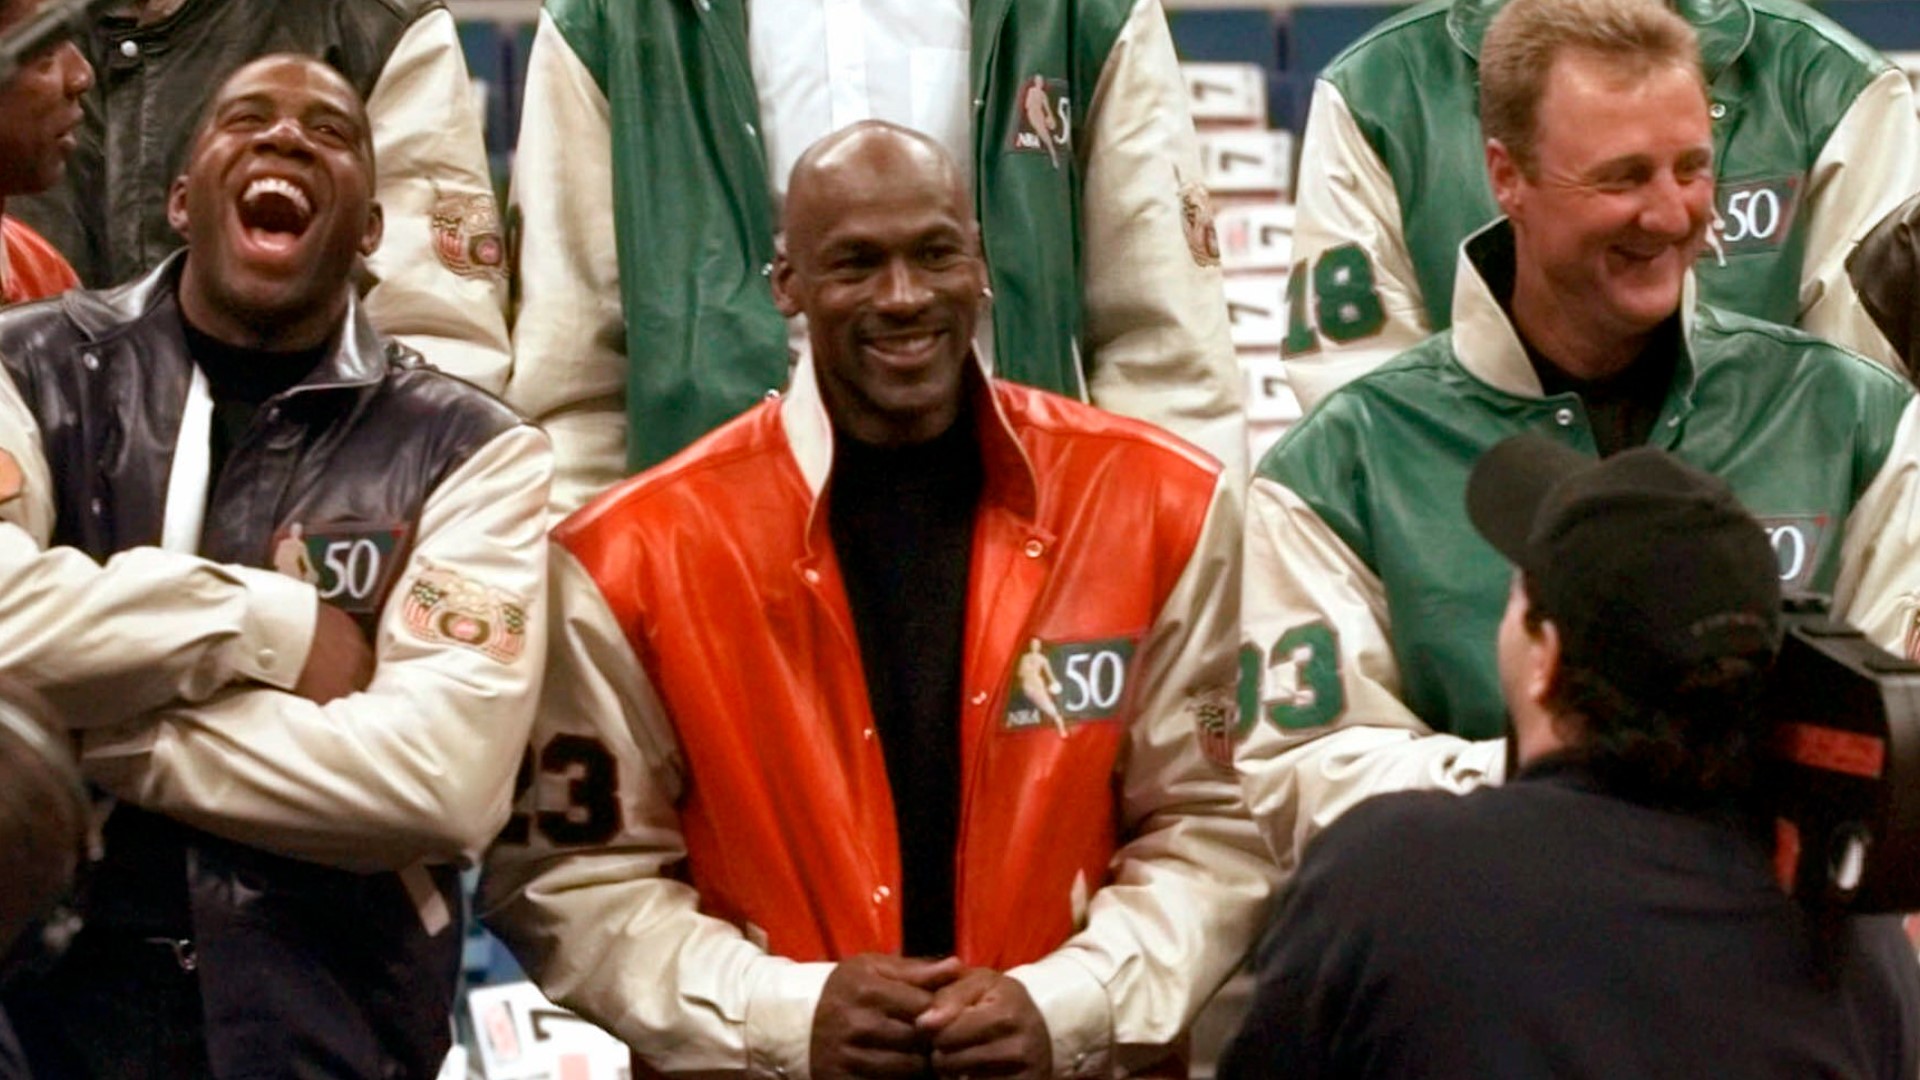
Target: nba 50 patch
(1062, 684)
(1799, 543)
(1752, 215)
(352, 565)
(1044, 120)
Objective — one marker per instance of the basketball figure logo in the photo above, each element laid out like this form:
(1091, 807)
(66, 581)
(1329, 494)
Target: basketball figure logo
(1039, 684)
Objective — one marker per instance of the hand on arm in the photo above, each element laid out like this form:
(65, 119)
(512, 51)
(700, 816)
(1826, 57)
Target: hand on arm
(340, 662)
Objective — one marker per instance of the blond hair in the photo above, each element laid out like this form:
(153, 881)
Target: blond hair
(1517, 54)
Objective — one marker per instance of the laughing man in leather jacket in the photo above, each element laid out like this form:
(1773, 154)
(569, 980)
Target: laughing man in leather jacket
(278, 895)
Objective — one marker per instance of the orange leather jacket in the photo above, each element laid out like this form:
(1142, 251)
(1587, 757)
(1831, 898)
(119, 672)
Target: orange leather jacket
(30, 268)
(1111, 868)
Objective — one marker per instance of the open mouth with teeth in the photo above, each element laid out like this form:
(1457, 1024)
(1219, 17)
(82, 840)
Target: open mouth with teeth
(908, 348)
(275, 213)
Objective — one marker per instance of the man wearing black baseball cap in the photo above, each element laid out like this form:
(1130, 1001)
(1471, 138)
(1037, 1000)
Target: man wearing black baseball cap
(1639, 929)
(1370, 603)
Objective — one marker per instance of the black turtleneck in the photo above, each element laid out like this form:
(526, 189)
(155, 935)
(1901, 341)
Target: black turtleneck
(902, 525)
(1621, 407)
(240, 380)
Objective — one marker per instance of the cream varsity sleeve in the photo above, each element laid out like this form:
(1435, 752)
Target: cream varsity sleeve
(440, 273)
(1191, 880)
(1346, 196)
(107, 643)
(1156, 312)
(1869, 165)
(1878, 589)
(420, 765)
(569, 337)
(1313, 612)
(601, 923)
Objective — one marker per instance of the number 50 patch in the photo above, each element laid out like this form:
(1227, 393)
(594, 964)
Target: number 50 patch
(351, 565)
(1756, 215)
(1061, 684)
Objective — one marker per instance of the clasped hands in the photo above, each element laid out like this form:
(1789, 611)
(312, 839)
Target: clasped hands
(891, 1016)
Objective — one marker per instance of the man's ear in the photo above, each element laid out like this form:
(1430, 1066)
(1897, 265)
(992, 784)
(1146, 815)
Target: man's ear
(1543, 663)
(177, 206)
(1503, 173)
(782, 279)
(376, 228)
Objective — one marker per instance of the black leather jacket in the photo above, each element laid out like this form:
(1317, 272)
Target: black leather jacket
(364, 439)
(108, 215)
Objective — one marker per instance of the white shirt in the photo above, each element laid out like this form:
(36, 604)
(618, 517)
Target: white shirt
(819, 65)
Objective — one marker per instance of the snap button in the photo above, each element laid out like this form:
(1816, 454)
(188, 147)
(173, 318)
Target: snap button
(773, 394)
(1673, 421)
(1563, 417)
(1717, 110)
(1034, 548)
(880, 894)
(267, 657)
(979, 697)
(129, 49)
(97, 507)
(752, 132)
(812, 575)
(90, 361)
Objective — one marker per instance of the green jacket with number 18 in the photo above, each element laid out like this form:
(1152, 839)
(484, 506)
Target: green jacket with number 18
(647, 226)
(1370, 605)
(1814, 136)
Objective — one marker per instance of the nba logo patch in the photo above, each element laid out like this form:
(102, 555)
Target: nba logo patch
(1060, 685)
(1043, 120)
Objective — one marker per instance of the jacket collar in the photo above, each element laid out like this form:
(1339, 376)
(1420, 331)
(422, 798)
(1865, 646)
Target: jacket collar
(1010, 481)
(1484, 340)
(358, 357)
(1724, 26)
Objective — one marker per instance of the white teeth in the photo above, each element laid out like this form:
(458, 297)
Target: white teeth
(267, 184)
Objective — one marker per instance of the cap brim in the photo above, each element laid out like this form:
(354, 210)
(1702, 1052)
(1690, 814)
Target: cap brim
(1509, 483)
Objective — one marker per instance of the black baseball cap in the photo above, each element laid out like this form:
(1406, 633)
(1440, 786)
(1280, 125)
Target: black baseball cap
(1650, 568)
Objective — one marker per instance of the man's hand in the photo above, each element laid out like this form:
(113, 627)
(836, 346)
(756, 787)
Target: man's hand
(864, 1024)
(985, 1024)
(340, 662)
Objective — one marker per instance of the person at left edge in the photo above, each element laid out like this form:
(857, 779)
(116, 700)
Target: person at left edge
(279, 893)
(438, 282)
(785, 756)
(39, 111)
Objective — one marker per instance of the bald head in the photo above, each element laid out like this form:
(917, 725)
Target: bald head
(871, 151)
(882, 256)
